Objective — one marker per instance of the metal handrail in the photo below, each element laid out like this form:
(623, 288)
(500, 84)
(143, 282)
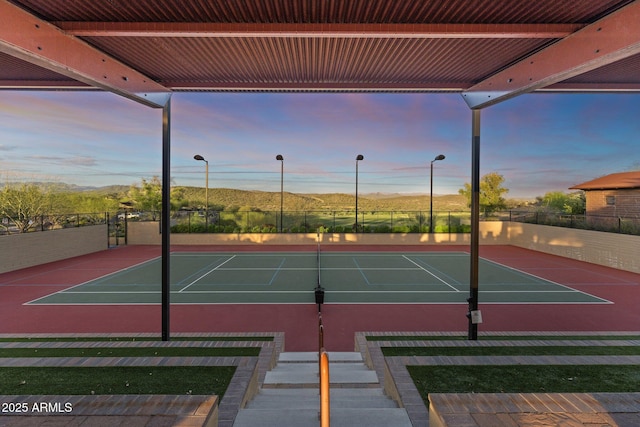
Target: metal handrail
(324, 390)
(323, 373)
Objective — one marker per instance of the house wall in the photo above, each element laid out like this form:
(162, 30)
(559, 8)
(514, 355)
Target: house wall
(627, 203)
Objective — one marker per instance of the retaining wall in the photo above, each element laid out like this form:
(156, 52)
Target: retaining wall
(29, 249)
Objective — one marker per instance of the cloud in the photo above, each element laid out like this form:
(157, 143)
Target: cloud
(66, 161)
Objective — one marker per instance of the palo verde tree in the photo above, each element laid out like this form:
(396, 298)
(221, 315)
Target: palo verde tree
(148, 196)
(491, 191)
(22, 204)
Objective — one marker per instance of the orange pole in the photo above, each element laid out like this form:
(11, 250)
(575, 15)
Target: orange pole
(324, 390)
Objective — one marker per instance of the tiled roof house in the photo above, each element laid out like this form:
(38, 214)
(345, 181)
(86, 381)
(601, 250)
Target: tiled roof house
(615, 195)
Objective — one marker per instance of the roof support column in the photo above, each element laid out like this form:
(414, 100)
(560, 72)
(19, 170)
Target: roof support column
(165, 217)
(473, 314)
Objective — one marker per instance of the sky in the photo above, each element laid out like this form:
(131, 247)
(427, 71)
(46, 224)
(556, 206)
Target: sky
(538, 142)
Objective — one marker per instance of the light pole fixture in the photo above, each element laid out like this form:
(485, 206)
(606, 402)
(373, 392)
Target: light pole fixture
(438, 157)
(206, 189)
(358, 158)
(279, 157)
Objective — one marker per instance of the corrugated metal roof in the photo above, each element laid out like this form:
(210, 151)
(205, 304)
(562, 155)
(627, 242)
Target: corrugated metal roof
(615, 181)
(278, 45)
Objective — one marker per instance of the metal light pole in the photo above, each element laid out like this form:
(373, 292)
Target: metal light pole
(279, 157)
(206, 189)
(358, 158)
(438, 157)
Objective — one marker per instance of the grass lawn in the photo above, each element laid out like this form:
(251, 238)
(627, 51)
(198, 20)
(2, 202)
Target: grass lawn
(132, 339)
(513, 351)
(500, 337)
(473, 378)
(198, 380)
(525, 379)
(130, 352)
(205, 380)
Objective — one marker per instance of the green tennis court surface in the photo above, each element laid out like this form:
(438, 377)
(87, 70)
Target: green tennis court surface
(347, 277)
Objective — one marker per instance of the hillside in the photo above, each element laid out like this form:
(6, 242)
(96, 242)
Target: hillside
(230, 199)
(270, 201)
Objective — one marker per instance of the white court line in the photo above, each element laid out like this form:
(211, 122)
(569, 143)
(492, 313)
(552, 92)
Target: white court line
(525, 274)
(114, 274)
(207, 273)
(424, 269)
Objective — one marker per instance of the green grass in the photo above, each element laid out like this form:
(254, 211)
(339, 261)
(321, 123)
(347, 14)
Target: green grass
(499, 337)
(200, 380)
(525, 379)
(203, 380)
(513, 351)
(130, 352)
(520, 378)
(131, 339)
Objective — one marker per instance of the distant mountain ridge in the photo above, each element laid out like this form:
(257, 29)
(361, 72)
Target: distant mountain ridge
(230, 199)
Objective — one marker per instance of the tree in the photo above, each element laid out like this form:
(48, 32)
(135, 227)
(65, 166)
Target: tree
(571, 204)
(491, 192)
(148, 197)
(23, 204)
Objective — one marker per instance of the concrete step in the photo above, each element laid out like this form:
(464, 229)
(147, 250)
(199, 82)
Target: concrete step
(310, 399)
(289, 396)
(310, 356)
(307, 374)
(340, 417)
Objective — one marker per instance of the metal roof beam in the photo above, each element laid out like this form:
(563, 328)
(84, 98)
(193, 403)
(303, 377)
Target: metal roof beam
(31, 39)
(283, 30)
(612, 38)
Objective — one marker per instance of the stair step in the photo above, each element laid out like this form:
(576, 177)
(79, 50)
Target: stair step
(340, 417)
(289, 395)
(307, 373)
(310, 356)
(310, 399)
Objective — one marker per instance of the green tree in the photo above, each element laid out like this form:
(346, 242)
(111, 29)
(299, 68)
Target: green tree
(148, 196)
(557, 201)
(491, 191)
(22, 204)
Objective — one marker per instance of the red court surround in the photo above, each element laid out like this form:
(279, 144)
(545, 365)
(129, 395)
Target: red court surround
(299, 321)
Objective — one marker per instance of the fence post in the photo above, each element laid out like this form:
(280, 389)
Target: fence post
(106, 220)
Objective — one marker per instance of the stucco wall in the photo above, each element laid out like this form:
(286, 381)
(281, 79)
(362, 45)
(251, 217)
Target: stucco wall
(610, 249)
(29, 249)
(147, 233)
(620, 251)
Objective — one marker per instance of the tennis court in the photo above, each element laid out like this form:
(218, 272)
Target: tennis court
(290, 278)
